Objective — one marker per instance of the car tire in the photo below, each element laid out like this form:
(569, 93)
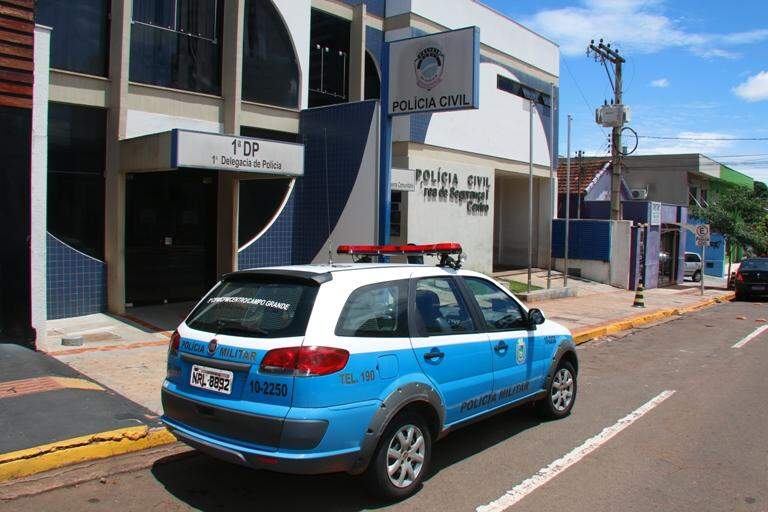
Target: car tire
(696, 276)
(387, 475)
(561, 393)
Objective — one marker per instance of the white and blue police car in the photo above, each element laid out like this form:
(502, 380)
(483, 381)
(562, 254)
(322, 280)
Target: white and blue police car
(358, 367)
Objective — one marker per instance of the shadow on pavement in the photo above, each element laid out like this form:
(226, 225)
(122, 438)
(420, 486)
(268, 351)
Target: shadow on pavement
(208, 484)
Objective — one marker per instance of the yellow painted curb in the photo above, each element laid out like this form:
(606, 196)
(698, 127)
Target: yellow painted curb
(591, 333)
(80, 449)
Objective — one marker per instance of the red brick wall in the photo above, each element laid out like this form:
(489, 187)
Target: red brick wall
(16, 59)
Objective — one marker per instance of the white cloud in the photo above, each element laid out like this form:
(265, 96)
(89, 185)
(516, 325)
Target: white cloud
(755, 88)
(661, 83)
(637, 26)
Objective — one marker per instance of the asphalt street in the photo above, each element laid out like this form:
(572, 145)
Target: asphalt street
(698, 443)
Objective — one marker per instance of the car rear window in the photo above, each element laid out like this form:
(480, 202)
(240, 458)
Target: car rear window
(376, 311)
(256, 309)
(761, 264)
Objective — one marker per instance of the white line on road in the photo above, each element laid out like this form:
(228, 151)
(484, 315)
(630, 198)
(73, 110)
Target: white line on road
(757, 332)
(548, 473)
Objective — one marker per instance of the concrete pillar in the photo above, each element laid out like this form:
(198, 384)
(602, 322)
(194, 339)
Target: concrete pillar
(232, 64)
(357, 54)
(114, 218)
(232, 91)
(39, 182)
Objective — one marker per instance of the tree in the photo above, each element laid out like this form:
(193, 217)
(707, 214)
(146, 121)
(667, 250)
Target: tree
(739, 214)
(761, 190)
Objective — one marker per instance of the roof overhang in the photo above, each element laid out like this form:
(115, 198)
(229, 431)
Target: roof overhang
(178, 149)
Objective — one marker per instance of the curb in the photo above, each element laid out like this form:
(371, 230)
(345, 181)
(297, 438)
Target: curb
(80, 449)
(591, 333)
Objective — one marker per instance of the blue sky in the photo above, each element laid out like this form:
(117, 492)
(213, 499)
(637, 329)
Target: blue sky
(695, 69)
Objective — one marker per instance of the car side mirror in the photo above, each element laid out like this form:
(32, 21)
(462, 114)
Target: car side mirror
(535, 317)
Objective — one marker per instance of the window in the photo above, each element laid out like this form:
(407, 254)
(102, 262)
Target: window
(328, 59)
(177, 44)
(80, 37)
(376, 311)
(508, 85)
(256, 308)
(692, 258)
(76, 161)
(693, 196)
(395, 213)
(270, 67)
(754, 264)
(372, 80)
(440, 308)
(259, 202)
(500, 311)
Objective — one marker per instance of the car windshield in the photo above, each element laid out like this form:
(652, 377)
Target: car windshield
(255, 308)
(757, 264)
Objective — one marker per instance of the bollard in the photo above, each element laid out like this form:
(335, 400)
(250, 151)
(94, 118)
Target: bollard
(639, 299)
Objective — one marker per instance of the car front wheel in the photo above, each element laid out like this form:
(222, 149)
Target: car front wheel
(697, 276)
(561, 393)
(401, 459)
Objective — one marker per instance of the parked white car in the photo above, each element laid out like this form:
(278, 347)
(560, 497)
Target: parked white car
(693, 266)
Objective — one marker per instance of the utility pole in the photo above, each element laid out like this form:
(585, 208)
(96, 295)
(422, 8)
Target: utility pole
(603, 54)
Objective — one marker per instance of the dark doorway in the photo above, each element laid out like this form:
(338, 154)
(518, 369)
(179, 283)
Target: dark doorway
(170, 236)
(668, 256)
(15, 294)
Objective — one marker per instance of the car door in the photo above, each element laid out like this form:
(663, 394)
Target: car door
(450, 346)
(519, 360)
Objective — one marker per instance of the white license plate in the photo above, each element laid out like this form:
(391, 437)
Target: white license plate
(211, 379)
(758, 287)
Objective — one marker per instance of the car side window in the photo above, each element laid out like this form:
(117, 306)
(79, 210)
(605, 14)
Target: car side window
(692, 258)
(376, 311)
(440, 308)
(500, 311)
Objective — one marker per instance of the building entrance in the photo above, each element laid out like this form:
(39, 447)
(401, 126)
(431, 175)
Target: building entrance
(170, 236)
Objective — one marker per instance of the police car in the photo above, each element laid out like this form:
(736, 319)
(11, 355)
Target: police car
(358, 367)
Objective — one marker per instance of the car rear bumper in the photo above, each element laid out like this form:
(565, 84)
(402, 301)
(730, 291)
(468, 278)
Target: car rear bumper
(752, 288)
(284, 445)
(300, 464)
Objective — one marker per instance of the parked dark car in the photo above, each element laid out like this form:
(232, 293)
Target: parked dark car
(752, 278)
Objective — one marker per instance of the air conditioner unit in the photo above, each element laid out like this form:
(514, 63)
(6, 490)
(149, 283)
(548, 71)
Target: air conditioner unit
(639, 193)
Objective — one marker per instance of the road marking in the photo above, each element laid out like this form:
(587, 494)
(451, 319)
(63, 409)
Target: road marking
(21, 387)
(548, 473)
(757, 332)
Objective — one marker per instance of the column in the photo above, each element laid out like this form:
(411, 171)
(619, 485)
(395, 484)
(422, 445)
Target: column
(357, 54)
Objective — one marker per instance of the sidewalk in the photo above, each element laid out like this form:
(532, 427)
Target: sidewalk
(48, 409)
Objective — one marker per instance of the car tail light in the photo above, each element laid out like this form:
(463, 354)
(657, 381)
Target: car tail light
(173, 345)
(304, 361)
(739, 277)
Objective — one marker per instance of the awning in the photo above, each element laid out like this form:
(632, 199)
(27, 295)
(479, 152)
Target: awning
(179, 149)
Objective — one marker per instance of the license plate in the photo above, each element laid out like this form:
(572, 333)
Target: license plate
(758, 287)
(211, 379)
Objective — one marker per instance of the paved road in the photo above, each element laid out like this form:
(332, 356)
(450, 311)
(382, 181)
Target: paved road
(703, 448)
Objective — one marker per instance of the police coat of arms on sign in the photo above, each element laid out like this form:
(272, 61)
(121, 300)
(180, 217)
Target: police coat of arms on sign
(429, 66)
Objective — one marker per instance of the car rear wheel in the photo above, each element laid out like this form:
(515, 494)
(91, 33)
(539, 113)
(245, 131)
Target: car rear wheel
(697, 276)
(561, 393)
(401, 459)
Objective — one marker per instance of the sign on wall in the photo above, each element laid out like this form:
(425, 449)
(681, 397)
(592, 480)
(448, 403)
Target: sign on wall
(471, 192)
(222, 152)
(435, 72)
(403, 180)
(655, 217)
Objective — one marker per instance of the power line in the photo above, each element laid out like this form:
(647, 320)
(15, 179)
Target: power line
(590, 108)
(700, 139)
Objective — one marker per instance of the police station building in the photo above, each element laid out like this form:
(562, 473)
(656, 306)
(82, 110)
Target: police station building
(189, 138)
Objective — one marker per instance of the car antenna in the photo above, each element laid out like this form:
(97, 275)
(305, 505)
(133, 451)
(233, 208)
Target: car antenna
(327, 197)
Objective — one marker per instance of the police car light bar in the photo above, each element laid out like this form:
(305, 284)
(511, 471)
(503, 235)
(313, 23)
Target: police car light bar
(383, 250)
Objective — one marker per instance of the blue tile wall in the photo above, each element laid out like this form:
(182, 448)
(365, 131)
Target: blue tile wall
(374, 43)
(300, 231)
(347, 127)
(275, 247)
(76, 283)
